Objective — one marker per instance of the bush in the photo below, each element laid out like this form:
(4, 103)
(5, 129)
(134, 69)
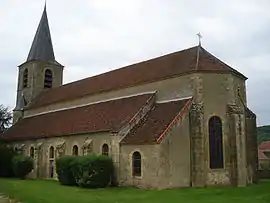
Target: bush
(64, 170)
(22, 165)
(92, 171)
(85, 171)
(6, 156)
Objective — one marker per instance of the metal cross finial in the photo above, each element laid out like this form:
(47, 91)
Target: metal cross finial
(200, 37)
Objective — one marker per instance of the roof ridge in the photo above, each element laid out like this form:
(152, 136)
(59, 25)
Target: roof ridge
(155, 69)
(264, 142)
(173, 100)
(220, 61)
(128, 66)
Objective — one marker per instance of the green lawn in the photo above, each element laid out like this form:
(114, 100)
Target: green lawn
(37, 191)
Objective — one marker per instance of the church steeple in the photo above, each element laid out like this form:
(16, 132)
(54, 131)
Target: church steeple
(40, 71)
(42, 48)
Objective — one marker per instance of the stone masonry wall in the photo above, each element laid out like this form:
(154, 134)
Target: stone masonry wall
(149, 178)
(175, 156)
(35, 84)
(63, 146)
(252, 149)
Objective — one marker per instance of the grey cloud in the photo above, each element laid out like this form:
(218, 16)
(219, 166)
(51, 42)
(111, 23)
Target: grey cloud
(95, 36)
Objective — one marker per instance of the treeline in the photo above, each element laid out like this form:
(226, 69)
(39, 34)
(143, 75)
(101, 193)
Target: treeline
(263, 133)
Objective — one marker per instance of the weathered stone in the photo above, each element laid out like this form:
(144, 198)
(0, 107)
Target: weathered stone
(181, 158)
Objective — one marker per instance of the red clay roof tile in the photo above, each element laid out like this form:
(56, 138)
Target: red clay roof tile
(155, 123)
(261, 155)
(181, 62)
(264, 145)
(105, 116)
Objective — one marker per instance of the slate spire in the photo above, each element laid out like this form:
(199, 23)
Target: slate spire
(42, 48)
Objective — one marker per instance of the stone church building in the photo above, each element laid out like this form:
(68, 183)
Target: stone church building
(178, 120)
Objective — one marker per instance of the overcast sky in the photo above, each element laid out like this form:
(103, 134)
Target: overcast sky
(95, 36)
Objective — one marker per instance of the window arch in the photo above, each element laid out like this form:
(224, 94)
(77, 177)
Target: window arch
(215, 143)
(105, 150)
(136, 164)
(32, 152)
(25, 78)
(48, 78)
(75, 150)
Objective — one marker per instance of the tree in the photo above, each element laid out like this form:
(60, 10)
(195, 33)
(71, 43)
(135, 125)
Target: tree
(263, 133)
(5, 118)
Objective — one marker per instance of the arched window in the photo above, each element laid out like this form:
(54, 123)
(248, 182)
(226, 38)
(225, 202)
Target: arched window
(136, 164)
(51, 162)
(32, 152)
(215, 143)
(75, 150)
(51, 155)
(48, 78)
(25, 78)
(105, 150)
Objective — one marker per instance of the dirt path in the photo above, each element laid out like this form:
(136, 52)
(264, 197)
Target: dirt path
(4, 199)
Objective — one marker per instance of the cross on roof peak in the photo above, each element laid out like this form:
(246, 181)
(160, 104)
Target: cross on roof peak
(200, 37)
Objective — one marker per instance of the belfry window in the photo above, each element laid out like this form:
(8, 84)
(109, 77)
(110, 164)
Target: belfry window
(48, 78)
(75, 150)
(105, 150)
(215, 143)
(25, 78)
(136, 164)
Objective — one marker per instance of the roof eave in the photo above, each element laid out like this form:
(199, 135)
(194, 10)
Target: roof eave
(52, 136)
(42, 61)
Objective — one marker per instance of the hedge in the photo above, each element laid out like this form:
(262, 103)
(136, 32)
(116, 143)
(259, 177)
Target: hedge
(22, 165)
(6, 155)
(64, 170)
(88, 171)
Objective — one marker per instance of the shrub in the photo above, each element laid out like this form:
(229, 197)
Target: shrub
(92, 171)
(22, 165)
(6, 155)
(64, 170)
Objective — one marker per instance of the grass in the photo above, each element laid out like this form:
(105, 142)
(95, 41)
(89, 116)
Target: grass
(47, 191)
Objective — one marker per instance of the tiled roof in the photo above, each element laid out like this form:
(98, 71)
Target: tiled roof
(170, 65)
(264, 146)
(42, 48)
(105, 116)
(155, 123)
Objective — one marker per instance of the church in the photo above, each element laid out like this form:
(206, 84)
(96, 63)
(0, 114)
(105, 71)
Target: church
(178, 120)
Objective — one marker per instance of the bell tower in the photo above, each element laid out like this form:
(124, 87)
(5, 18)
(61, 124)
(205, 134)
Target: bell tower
(40, 72)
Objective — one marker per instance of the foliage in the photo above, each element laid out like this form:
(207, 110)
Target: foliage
(93, 171)
(64, 170)
(49, 191)
(6, 155)
(5, 118)
(85, 171)
(22, 165)
(263, 133)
